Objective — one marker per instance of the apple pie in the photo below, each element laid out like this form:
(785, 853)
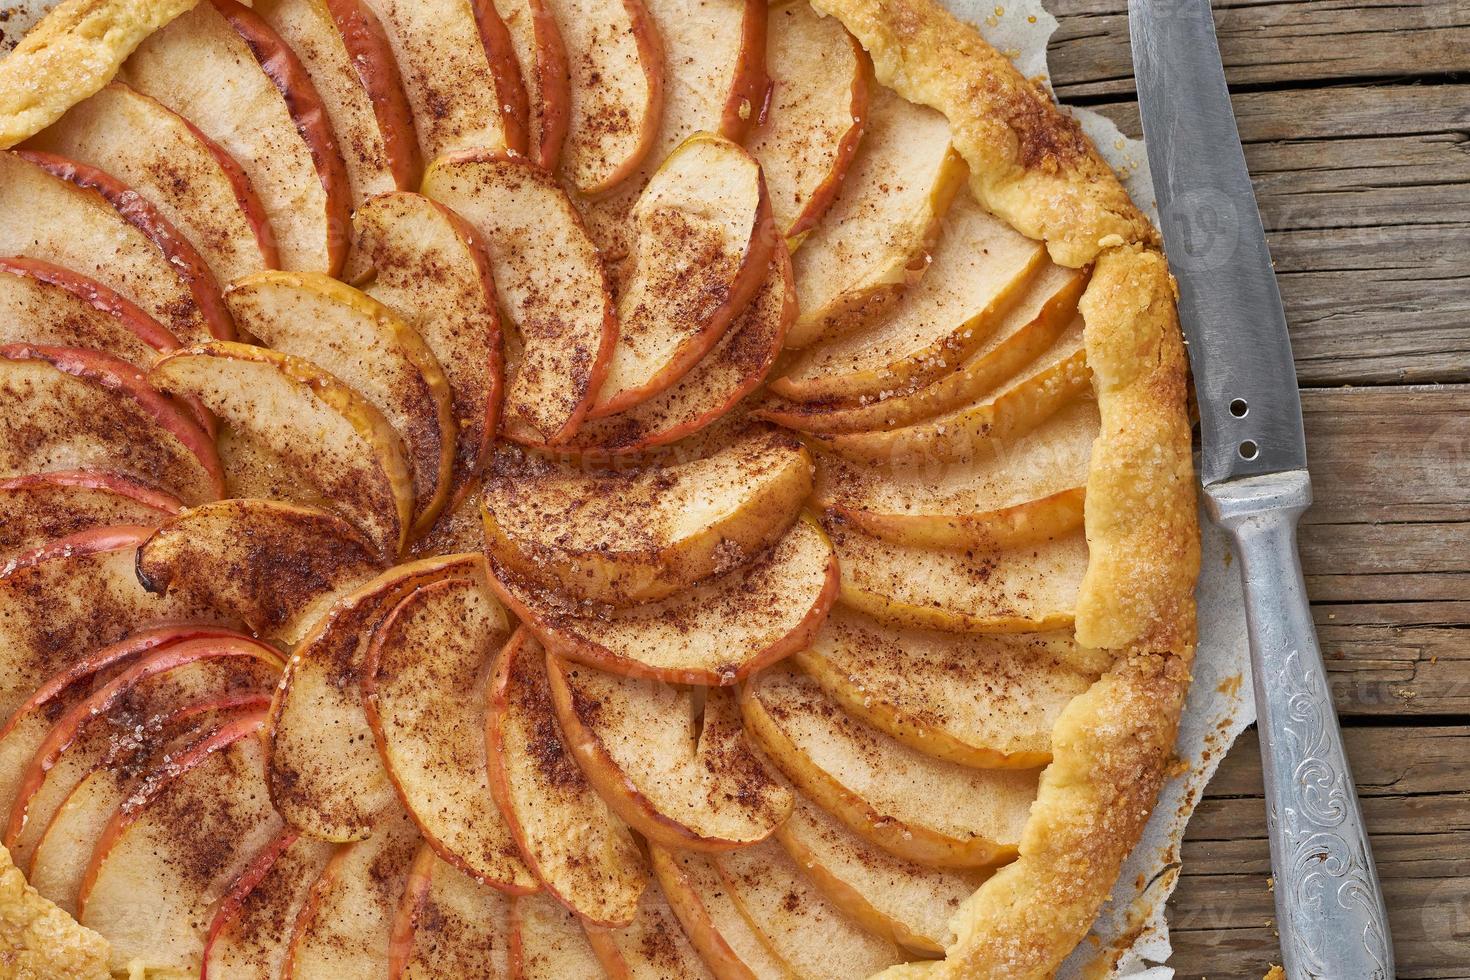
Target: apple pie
(554, 488)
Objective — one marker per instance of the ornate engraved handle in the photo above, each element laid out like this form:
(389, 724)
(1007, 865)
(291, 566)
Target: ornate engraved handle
(1329, 908)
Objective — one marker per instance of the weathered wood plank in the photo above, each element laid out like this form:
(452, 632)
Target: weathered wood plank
(1365, 193)
(1397, 659)
(1415, 791)
(1282, 41)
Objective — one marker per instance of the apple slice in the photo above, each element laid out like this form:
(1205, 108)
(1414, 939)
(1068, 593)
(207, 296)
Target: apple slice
(984, 701)
(424, 263)
(449, 924)
(874, 241)
(551, 284)
(346, 53)
(250, 932)
(653, 946)
(645, 534)
(716, 633)
(37, 507)
(978, 271)
(209, 804)
(366, 346)
(583, 855)
(674, 769)
(41, 303)
(64, 851)
(325, 777)
(192, 180)
(712, 388)
(1027, 589)
(964, 818)
(1031, 326)
(423, 682)
(77, 217)
(813, 122)
(712, 920)
(547, 941)
(1008, 494)
(1053, 380)
(65, 408)
(317, 441)
(457, 531)
(542, 56)
(345, 927)
(131, 706)
(271, 564)
(615, 72)
(788, 911)
(714, 81)
(221, 56)
(888, 896)
(459, 71)
(703, 245)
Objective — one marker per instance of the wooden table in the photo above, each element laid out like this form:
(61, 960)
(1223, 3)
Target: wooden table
(1356, 124)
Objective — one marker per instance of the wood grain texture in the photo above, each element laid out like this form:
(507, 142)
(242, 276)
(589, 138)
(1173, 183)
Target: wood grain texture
(1356, 124)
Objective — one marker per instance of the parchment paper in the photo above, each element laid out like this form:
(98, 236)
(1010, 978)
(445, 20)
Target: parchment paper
(1130, 938)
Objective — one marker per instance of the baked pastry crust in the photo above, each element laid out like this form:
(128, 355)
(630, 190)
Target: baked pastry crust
(1032, 166)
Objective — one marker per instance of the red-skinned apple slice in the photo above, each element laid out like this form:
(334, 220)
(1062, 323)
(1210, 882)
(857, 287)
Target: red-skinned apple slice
(423, 261)
(542, 55)
(653, 946)
(562, 324)
(965, 818)
(345, 928)
(583, 855)
(812, 125)
(677, 771)
(368, 347)
(702, 250)
(873, 243)
(133, 704)
(271, 564)
(459, 71)
(644, 534)
(982, 701)
(325, 777)
(615, 62)
(728, 943)
(66, 408)
(345, 51)
(37, 507)
(191, 179)
(449, 924)
(714, 81)
(547, 941)
(41, 303)
(424, 683)
(787, 910)
(65, 850)
(220, 56)
(717, 633)
(712, 388)
(294, 432)
(250, 932)
(209, 804)
(80, 218)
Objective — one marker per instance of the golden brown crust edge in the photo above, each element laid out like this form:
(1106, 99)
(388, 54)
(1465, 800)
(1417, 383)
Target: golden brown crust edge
(38, 941)
(75, 50)
(1029, 162)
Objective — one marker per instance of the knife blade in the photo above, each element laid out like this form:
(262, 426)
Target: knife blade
(1253, 465)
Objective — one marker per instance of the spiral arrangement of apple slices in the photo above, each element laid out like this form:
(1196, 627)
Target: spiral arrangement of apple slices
(538, 488)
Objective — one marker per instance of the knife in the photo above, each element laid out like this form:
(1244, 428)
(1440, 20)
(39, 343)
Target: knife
(1253, 465)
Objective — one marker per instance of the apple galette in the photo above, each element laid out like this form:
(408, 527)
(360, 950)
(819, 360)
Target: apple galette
(553, 488)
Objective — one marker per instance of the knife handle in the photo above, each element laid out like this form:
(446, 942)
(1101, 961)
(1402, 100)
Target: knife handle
(1329, 908)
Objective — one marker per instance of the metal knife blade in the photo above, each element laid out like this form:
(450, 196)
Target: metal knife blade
(1229, 304)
